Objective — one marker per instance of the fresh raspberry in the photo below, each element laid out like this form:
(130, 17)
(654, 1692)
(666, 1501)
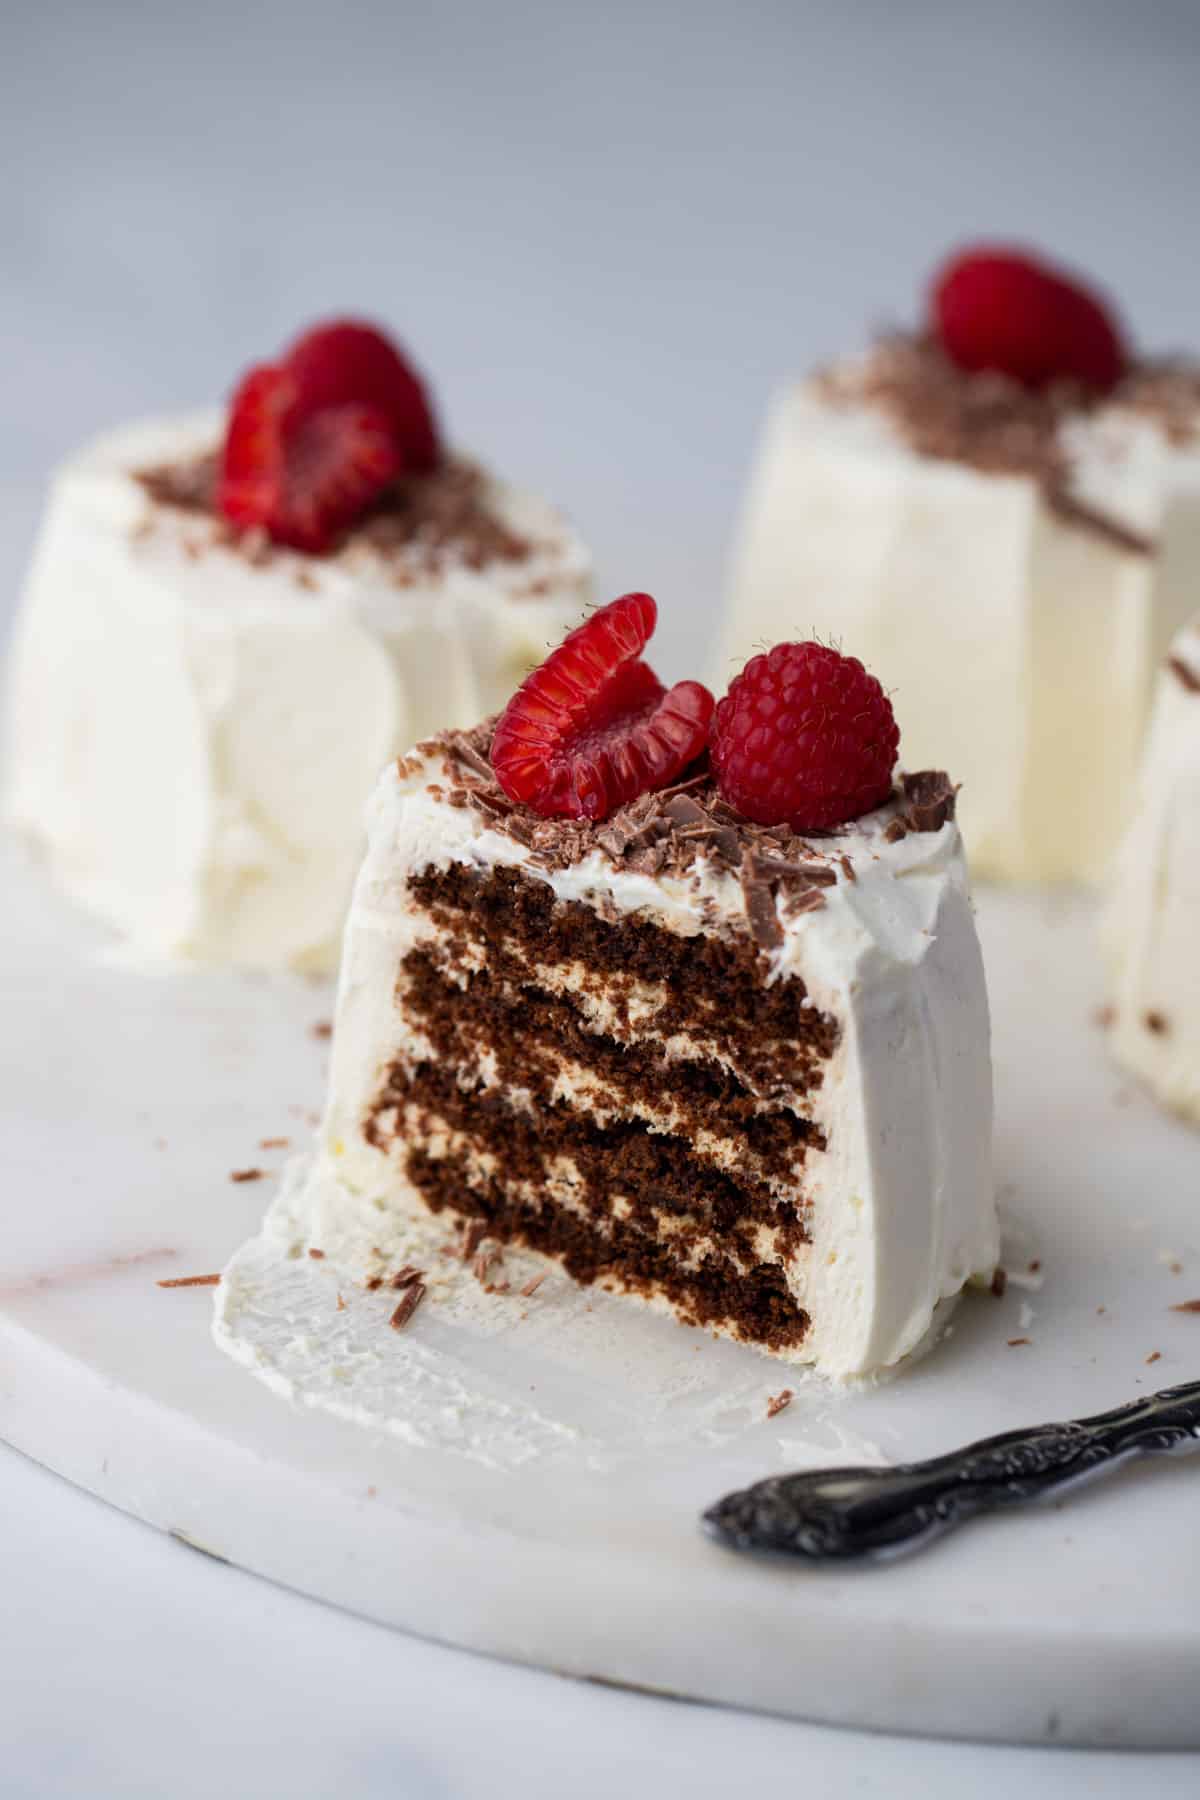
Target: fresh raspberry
(303, 475)
(594, 727)
(804, 738)
(314, 438)
(347, 362)
(995, 308)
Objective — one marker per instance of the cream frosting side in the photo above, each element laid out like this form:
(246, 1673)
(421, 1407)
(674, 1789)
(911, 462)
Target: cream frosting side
(1020, 648)
(1149, 924)
(192, 738)
(903, 1209)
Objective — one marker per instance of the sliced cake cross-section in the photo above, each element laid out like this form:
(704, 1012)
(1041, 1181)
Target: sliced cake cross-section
(738, 1072)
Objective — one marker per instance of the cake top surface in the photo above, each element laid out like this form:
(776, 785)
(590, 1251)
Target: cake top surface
(991, 421)
(422, 522)
(157, 475)
(997, 426)
(687, 834)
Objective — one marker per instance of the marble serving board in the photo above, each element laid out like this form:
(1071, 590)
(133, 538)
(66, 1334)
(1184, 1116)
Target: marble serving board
(536, 1493)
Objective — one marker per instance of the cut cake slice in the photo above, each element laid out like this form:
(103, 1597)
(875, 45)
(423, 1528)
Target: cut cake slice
(739, 1074)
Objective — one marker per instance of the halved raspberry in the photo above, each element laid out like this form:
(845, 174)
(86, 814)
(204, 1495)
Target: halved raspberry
(347, 361)
(252, 467)
(997, 308)
(804, 738)
(314, 439)
(594, 727)
(303, 475)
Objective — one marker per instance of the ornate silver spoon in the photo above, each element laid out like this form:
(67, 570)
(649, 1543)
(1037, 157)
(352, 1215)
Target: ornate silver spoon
(827, 1515)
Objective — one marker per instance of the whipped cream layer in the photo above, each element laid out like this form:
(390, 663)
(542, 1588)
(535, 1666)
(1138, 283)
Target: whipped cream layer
(897, 1204)
(1149, 926)
(1016, 611)
(195, 724)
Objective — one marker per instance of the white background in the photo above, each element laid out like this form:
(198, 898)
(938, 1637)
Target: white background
(604, 232)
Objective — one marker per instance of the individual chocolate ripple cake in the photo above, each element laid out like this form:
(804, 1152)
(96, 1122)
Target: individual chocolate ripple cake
(1009, 491)
(593, 1003)
(232, 622)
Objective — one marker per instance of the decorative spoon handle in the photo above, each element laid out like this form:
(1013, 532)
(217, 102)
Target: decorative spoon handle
(832, 1514)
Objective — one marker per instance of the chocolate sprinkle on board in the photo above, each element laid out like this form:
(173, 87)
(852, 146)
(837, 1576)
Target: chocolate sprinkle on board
(1186, 1306)
(999, 1282)
(778, 1401)
(475, 1234)
(317, 1255)
(484, 1261)
(408, 1306)
(246, 1174)
(182, 1281)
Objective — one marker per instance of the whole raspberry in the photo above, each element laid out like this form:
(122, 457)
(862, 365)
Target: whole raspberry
(996, 308)
(594, 727)
(349, 363)
(804, 738)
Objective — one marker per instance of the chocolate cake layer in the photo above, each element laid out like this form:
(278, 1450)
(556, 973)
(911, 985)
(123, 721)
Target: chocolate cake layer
(754, 1304)
(709, 986)
(528, 1032)
(653, 1172)
(597, 1086)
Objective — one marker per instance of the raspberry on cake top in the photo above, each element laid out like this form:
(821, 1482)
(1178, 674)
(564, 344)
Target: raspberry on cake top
(232, 623)
(1001, 508)
(686, 996)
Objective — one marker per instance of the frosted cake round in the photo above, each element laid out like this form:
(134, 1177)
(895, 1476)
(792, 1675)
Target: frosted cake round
(198, 712)
(1013, 556)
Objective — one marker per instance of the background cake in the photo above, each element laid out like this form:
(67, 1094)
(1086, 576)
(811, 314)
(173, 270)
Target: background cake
(230, 626)
(1003, 512)
(737, 1070)
(1150, 919)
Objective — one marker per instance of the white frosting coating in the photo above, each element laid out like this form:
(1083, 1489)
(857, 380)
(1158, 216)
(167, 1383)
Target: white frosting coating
(1020, 648)
(192, 736)
(1149, 926)
(902, 1199)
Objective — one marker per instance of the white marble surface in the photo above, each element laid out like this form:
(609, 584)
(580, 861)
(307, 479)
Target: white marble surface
(607, 231)
(538, 1490)
(134, 1669)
